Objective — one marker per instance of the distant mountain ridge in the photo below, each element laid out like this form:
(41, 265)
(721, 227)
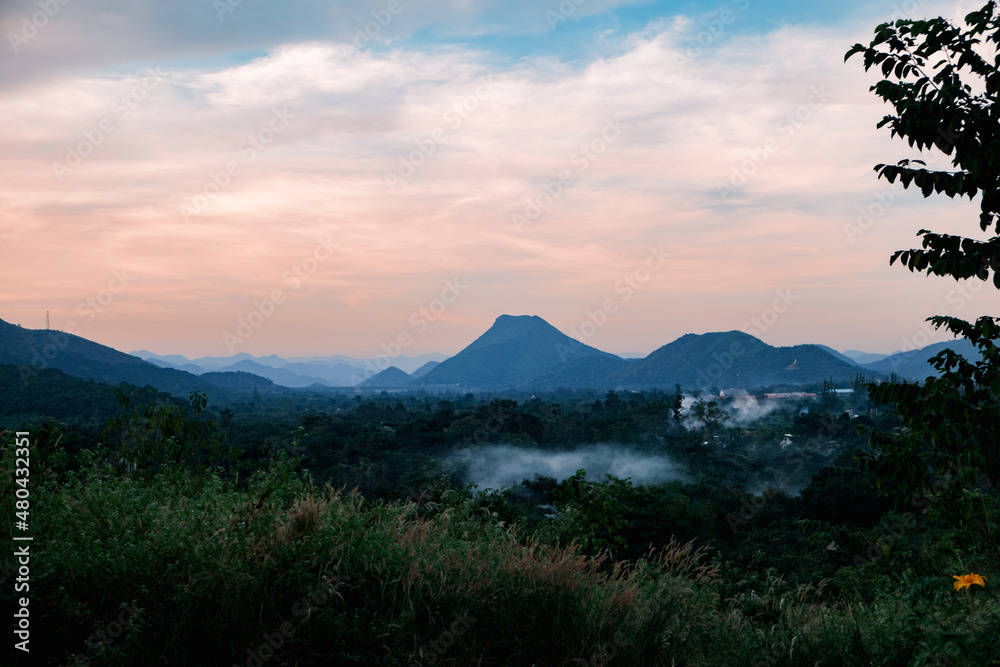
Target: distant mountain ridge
(33, 349)
(859, 357)
(838, 355)
(733, 359)
(914, 365)
(279, 376)
(522, 352)
(333, 371)
(526, 352)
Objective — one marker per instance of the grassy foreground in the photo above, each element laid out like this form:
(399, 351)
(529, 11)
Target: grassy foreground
(184, 568)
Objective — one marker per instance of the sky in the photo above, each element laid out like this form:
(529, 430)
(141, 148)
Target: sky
(208, 177)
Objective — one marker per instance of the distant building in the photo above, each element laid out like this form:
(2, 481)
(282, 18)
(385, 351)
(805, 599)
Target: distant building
(733, 393)
(791, 394)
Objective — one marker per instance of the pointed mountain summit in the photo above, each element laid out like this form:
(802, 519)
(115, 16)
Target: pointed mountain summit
(514, 352)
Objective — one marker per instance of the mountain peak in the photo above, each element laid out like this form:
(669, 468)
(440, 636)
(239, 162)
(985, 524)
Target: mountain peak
(511, 353)
(503, 319)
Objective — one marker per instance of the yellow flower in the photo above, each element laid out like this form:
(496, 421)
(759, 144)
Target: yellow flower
(966, 580)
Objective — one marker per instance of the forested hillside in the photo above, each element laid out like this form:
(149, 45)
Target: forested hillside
(343, 529)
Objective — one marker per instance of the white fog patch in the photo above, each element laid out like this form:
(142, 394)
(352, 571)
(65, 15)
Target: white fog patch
(495, 466)
(740, 410)
(745, 409)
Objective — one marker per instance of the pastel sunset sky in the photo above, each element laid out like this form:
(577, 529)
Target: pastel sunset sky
(169, 170)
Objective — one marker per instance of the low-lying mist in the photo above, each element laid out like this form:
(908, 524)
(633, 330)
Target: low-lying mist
(746, 409)
(741, 410)
(495, 466)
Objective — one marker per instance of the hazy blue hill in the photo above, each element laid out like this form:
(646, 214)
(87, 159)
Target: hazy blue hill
(733, 359)
(173, 360)
(282, 376)
(914, 365)
(838, 355)
(411, 364)
(271, 360)
(241, 382)
(390, 377)
(402, 362)
(189, 367)
(425, 369)
(335, 371)
(512, 353)
(334, 374)
(215, 363)
(859, 357)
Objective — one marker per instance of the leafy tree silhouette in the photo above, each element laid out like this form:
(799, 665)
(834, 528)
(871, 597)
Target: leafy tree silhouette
(946, 97)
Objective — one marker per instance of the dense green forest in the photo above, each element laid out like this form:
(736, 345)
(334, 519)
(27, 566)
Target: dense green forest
(333, 528)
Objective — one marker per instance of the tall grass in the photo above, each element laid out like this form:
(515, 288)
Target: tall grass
(283, 573)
